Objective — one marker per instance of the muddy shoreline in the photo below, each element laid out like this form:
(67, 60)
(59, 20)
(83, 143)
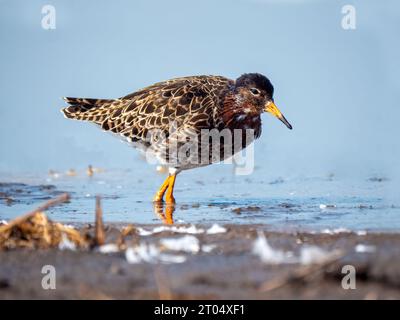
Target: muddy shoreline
(223, 266)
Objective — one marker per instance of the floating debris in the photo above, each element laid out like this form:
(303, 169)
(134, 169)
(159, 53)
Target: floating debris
(8, 200)
(364, 206)
(330, 176)
(287, 205)
(71, 173)
(378, 179)
(54, 174)
(89, 171)
(327, 206)
(277, 181)
(92, 170)
(239, 210)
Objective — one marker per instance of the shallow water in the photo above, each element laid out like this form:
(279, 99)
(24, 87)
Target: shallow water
(310, 203)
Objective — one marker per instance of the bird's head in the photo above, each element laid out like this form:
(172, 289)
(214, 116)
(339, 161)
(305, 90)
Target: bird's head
(255, 92)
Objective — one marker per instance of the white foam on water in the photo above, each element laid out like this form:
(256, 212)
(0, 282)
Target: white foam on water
(151, 254)
(216, 228)
(207, 248)
(269, 255)
(313, 254)
(192, 229)
(142, 253)
(108, 248)
(186, 243)
(3, 222)
(361, 233)
(335, 231)
(308, 254)
(364, 248)
(143, 232)
(327, 206)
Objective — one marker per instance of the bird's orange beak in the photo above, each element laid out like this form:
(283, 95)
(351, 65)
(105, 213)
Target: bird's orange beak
(273, 109)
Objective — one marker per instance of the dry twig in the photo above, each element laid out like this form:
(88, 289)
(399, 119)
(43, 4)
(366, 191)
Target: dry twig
(99, 236)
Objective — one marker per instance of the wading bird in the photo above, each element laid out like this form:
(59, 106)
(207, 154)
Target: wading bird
(190, 105)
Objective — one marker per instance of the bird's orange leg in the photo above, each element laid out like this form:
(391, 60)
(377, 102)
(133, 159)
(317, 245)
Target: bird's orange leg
(160, 193)
(169, 197)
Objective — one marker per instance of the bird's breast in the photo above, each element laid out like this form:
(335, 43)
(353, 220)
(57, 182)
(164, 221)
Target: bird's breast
(238, 115)
(247, 122)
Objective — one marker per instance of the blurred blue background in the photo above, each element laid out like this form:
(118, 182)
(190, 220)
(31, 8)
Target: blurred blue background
(339, 88)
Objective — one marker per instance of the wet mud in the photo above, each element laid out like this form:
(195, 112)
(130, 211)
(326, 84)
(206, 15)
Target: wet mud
(224, 265)
(298, 245)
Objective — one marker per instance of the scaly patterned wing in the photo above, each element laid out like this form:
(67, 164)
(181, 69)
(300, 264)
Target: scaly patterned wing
(192, 102)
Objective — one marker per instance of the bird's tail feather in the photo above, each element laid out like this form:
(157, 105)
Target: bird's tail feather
(86, 109)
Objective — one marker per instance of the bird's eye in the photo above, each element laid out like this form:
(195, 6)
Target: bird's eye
(255, 91)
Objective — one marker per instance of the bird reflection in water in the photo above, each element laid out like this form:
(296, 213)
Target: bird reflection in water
(165, 212)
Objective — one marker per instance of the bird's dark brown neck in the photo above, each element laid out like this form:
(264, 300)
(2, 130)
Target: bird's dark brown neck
(238, 114)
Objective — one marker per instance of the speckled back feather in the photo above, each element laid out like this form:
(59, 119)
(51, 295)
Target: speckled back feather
(192, 101)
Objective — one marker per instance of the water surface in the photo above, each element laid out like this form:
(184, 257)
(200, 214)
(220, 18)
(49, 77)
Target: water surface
(313, 203)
